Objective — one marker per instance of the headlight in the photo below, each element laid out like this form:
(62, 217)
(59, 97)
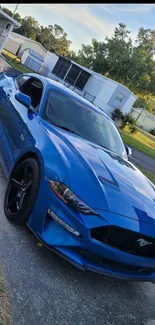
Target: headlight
(69, 198)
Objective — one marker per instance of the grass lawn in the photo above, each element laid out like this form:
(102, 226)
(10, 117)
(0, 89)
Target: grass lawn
(20, 67)
(147, 133)
(140, 142)
(10, 59)
(5, 304)
(149, 175)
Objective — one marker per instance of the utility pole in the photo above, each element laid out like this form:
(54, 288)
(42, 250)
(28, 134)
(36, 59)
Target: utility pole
(140, 113)
(15, 10)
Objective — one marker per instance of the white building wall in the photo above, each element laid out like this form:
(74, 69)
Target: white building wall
(99, 91)
(17, 38)
(4, 33)
(102, 89)
(37, 47)
(12, 45)
(128, 105)
(104, 106)
(146, 119)
(24, 56)
(50, 60)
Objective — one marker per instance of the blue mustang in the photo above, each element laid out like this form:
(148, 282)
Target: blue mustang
(70, 179)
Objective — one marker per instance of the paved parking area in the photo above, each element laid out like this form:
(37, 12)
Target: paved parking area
(47, 290)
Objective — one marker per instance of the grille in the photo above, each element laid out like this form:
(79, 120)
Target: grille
(125, 240)
(87, 255)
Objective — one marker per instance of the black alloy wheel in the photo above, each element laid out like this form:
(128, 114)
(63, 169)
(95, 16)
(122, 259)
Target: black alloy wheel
(22, 190)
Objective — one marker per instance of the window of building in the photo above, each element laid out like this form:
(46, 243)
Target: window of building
(61, 67)
(75, 76)
(7, 26)
(83, 78)
(119, 97)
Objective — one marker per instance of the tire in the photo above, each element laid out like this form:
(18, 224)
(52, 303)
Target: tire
(22, 190)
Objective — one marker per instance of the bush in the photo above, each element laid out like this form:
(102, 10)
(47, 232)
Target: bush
(117, 114)
(133, 129)
(127, 119)
(152, 132)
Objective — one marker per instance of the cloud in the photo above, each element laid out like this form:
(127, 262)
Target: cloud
(138, 9)
(133, 8)
(83, 16)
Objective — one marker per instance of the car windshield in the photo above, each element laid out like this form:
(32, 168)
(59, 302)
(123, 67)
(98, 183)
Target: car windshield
(77, 117)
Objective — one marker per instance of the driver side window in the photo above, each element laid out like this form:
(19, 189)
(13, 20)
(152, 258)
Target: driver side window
(21, 80)
(32, 87)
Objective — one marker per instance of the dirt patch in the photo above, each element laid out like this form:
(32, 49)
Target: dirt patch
(5, 303)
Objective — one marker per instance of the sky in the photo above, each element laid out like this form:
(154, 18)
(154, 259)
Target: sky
(82, 22)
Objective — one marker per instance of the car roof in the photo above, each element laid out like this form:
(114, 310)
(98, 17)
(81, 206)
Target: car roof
(57, 85)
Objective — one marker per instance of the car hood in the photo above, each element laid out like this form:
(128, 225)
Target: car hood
(104, 180)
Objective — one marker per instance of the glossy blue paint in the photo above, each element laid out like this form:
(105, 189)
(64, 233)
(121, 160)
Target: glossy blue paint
(120, 194)
(23, 99)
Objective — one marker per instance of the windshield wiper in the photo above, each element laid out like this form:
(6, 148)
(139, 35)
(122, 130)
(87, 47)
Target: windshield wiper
(101, 145)
(64, 128)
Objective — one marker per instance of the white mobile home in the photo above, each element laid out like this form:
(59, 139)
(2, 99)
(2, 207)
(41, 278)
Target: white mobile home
(49, 62)
(144, 119)
(102, 91)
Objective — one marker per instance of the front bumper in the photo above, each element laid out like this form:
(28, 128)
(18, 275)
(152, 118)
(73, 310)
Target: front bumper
(85, 252)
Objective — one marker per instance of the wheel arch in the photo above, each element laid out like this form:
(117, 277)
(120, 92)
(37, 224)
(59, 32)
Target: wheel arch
(30, 154)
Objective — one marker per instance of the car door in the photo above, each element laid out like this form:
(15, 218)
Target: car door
(14, 116)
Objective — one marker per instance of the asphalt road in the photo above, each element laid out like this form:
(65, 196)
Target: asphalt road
(140, 159)
(47, 290)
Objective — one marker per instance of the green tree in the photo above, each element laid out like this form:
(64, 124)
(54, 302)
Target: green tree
(54, 39)
(93, 56)
(29, 28)
(119, 50)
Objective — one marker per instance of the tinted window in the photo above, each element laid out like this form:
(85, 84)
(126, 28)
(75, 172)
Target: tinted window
(83, 78)
(61, 68)
(32, 87)
(73, 74)
(20, 80)
(65, 111)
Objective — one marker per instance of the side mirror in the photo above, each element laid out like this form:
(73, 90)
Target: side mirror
(23, 99)
(128, 150)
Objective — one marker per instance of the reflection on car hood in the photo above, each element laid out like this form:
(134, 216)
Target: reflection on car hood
(103, 179)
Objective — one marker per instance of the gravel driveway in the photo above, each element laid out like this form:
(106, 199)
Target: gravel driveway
(47, 290)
